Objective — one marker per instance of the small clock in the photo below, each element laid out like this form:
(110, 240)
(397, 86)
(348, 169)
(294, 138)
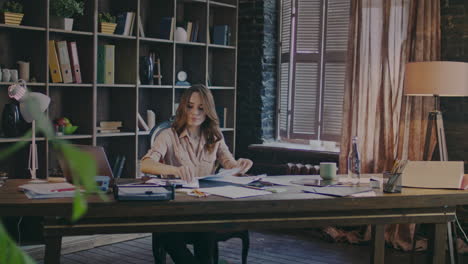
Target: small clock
(181, 76)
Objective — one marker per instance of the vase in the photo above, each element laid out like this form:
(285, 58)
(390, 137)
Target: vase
(146, 70)
(6, 75)
(61, 23)
(12, 122)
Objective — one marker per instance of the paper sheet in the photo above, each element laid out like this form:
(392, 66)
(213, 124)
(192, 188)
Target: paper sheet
(234, 192)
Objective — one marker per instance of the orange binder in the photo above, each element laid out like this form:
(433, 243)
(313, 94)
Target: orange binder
(62, 51)
(75, 64)
(54, 68)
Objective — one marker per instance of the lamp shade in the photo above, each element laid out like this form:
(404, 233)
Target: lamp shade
(20, 93)
(441, 78)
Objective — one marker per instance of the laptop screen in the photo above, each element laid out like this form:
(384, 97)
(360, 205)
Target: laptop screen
(97, 152)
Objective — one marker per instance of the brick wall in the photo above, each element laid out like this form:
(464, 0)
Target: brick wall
(256, 86)
(454, 20)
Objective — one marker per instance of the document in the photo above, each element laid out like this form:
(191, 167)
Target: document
(48, 190)
(234, 192)
(338, 191)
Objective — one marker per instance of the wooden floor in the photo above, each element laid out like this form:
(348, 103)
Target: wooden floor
(279, 247)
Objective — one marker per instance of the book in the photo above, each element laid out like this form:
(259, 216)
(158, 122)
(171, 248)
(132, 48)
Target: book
(132, 22)
(189, 30)
(194, 35)
(222, 116)
(221, 35)
(166, 28)
(110, 124)
(120, 21)
(55, 73)
(141, 123)
(108, 130)
(64, 60)
(75, 63)
(142, 32)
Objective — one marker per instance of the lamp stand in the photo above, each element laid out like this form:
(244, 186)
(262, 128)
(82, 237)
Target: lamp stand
(33, 163)
(435, 119)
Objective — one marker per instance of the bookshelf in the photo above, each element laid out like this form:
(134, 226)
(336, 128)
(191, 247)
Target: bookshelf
(88, 103)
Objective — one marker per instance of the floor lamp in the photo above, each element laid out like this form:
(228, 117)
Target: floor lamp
(31, 104)
(438, 79)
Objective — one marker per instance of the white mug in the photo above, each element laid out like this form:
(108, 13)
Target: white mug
(13, 75)
(6, 75)
(328, 170)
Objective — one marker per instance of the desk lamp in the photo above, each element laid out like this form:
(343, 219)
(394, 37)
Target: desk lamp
(438, 79)
(28, 101)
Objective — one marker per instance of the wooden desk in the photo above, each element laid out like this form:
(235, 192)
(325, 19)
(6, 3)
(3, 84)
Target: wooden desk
(291, 209)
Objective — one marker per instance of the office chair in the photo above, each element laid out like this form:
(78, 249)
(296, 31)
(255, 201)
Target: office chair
(158, 251)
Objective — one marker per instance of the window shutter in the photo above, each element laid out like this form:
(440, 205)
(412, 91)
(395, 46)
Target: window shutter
(333, 101)
(285, 59)
(304, 117)
(338, 16)
(283, 102)
(308, 26)
(336, 45)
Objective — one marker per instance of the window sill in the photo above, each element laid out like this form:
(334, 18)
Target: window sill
(284, 146)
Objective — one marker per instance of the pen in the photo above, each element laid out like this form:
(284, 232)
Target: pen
(63, 190)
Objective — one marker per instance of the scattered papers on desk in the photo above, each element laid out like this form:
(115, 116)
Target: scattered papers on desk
(234, 192)
(176, 182)
(236, 179)
(338, 191)
(286, 179)
(48, 190)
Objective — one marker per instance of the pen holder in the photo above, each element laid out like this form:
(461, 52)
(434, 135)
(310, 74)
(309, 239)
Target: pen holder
(393, 184)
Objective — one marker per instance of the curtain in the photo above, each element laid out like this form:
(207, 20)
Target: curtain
(384, 36)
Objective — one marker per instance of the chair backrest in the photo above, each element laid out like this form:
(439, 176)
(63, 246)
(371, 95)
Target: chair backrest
(160, 127)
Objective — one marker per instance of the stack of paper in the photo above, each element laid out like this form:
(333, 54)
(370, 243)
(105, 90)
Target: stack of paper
(48, 190)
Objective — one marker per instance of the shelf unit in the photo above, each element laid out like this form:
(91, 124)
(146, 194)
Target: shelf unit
(90, 102)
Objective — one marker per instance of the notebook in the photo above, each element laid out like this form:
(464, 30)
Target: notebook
(434, 174)
(102, 163)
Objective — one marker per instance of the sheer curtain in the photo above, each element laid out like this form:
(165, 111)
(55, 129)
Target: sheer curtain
(374, 84)
(384, 36)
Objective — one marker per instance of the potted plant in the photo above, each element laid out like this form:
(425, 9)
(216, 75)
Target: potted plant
(12, 13)
(107, 23)
(63, 12)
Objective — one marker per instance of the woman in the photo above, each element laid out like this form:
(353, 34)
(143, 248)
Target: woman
(187, 150)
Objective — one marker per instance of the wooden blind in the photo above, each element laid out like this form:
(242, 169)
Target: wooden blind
(308, 26)
(336, 44)
(284, 90)
(285, 59)
(304, 119)
(312, 69)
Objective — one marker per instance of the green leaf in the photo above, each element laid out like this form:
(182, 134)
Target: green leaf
(80, 206)
(9, 252)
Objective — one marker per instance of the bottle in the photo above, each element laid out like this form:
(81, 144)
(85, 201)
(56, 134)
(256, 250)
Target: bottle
(354, 163)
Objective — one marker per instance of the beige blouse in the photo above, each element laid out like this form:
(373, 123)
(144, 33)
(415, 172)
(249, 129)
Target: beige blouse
(182, 150)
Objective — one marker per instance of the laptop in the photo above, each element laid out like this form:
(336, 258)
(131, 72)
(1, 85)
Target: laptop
(102, 163)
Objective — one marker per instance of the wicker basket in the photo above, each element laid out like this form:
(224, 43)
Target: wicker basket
(108, 28)
(12, 18)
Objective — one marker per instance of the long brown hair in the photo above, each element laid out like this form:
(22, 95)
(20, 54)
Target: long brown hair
(209, 127)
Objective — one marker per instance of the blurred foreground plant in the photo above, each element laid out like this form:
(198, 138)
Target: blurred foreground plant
(82, 166)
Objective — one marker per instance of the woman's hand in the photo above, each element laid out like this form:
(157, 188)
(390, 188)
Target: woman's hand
(244, 165)
(186, 173)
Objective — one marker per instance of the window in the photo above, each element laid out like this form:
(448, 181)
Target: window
(314, 36)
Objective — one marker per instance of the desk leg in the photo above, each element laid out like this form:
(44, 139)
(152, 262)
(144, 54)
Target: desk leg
(377, 244)
(437, 244)
(53, 245)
